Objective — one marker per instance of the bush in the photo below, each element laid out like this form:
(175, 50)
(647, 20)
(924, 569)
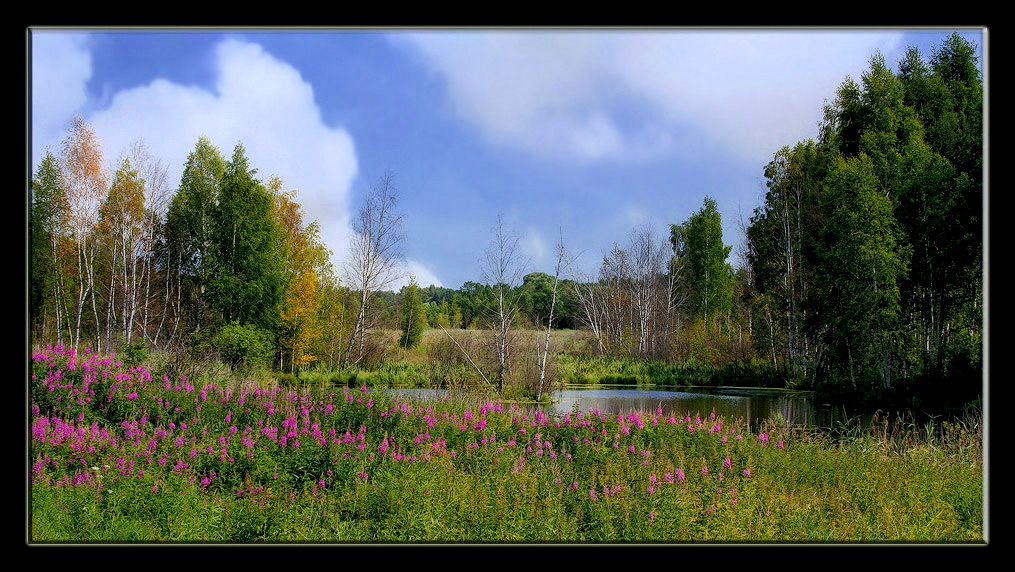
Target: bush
(244, 345)
(134, 354)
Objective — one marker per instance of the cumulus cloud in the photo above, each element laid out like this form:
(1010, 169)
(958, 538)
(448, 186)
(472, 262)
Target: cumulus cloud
(424, 277)
(638, 95)
(61, 66)
(258, 100)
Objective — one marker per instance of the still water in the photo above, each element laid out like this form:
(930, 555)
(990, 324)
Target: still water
(751, 404)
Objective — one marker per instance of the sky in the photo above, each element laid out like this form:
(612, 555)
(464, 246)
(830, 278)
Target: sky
(584, 135)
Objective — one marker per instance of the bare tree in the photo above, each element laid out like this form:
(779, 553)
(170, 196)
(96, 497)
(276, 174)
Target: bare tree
(561, 260)
(590, 301)
(647, 259)
(155, 174)
(376, 255)
(502, 269)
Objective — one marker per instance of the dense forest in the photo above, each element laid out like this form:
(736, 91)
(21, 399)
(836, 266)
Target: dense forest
(861, 270)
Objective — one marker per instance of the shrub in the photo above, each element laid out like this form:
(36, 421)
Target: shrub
(243, 345)
(134, 354)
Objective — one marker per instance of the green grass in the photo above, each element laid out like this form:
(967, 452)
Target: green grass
(467, 468)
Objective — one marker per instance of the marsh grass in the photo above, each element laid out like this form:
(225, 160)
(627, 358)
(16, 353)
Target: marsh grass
(232, 460)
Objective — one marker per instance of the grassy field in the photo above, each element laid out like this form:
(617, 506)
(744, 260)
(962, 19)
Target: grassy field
(437, 363)
(130, 454)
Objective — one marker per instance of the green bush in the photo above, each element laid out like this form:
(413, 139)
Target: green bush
(244, 345)
(134, 354)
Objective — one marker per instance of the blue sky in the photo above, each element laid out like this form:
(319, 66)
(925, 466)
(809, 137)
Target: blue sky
(591, 133)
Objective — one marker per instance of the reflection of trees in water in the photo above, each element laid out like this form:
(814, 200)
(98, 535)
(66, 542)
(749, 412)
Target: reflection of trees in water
(754, 409)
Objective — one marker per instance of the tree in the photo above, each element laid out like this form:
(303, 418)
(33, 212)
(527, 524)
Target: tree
(189, 231)
(502, 270)
(561, 260)
(248, 282)
(780, 254)
(712, 276)
(862, 264)
(154, 299)
(48, 229)
(375, 253)
(413, 316)
(85, 180)
(303, 259)
(122, 218)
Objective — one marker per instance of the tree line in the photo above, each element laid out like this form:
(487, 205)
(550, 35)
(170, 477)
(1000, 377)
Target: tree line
(862, 266)
(865, 259)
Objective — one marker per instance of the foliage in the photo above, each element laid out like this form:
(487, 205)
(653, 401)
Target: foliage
(305, 260)
(179, 461)
(243, 345)
(189, 228)
(712, 276)
(249, 281)
(413, 316)
(48, 216)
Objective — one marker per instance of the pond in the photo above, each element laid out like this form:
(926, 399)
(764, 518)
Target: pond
(754, 405)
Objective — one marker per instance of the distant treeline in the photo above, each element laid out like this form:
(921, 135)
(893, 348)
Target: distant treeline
(862, 269)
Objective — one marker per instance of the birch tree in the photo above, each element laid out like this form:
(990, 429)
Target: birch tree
(85, 180)
(376, 254)
(502, 269)
(561, 261)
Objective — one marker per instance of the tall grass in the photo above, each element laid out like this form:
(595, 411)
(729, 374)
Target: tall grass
(123, 454)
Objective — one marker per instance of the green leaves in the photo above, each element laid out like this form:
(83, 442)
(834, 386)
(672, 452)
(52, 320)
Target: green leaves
(413, 316)
(712, 276)
(248, 284)
(862, 261)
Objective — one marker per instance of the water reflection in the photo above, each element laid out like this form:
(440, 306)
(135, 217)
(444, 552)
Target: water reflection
(753, 405)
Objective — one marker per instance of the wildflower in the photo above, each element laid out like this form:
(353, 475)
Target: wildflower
(747, 473)
(780, 445)
(727, 462)
(652, 516)
(704, 470)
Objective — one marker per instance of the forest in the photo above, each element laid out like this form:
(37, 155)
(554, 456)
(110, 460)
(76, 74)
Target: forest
(860, 272)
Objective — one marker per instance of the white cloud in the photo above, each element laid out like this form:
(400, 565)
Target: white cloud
(260, 101)
(424, 276)
(636, 95)
(61, 66)
(534, 247)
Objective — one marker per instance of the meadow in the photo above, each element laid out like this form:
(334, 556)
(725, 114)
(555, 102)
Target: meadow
(140, 453)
